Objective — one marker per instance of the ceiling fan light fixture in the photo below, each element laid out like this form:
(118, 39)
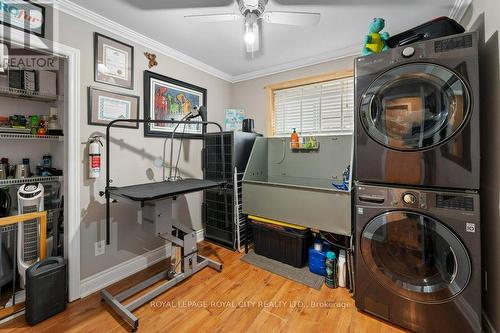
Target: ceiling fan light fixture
(251, 29)
(250, 36)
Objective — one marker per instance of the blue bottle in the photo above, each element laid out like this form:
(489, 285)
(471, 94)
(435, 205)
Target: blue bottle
(317, 258)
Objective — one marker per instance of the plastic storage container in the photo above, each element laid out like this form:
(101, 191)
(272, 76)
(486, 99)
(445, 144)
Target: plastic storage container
(280, 243)
(342, 269)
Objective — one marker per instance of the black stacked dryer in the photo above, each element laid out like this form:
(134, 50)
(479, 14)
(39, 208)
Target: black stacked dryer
(416, 170)
(417, 119)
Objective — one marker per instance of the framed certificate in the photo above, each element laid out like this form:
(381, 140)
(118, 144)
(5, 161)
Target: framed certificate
(106, 106)
(113, 62)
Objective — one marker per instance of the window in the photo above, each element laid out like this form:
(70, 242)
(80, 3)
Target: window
(325, 107)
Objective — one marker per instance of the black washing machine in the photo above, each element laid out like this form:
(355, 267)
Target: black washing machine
(418, 258)
(417, 114)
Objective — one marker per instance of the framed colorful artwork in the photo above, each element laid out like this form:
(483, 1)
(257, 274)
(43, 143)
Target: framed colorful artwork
(234, 119)
(166, 98)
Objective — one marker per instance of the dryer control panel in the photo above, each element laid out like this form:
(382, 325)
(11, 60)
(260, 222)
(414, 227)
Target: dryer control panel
(454, 203)
(459, 202)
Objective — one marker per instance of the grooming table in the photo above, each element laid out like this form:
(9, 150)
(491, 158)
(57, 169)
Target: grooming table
(155, 201)
(160, 190)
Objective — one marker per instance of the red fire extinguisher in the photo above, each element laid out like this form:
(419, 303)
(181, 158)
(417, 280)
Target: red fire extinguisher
(95, 145)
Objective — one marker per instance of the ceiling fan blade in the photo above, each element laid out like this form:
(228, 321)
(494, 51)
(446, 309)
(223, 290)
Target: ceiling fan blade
(177, 4)
(212, 18)
(292, 18)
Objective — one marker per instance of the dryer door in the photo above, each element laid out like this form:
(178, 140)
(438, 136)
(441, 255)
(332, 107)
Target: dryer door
(415, 106)
(415, 256)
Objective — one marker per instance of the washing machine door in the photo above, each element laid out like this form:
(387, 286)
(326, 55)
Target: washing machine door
(415, 256)
(415, 106)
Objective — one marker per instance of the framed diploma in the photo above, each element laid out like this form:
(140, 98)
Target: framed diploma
(105, 106)
(113, 62)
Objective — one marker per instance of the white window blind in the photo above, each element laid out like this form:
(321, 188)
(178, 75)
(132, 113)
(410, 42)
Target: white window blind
(322, 108)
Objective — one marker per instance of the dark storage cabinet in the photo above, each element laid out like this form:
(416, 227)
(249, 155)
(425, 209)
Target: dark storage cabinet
(283, 244)
(220, 206)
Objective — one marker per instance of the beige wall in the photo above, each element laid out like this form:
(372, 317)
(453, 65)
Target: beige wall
(252, 97)
(484, 16)
(132, 154)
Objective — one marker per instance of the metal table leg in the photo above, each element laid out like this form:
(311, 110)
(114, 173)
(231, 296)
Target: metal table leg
(121, 310)
(192, 263)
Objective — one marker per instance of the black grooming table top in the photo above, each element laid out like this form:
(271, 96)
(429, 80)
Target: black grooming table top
(159, 190)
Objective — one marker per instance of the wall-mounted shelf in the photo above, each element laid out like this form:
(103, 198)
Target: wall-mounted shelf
(46, 179)
(27, 94)
(21, 136)
(294, 146)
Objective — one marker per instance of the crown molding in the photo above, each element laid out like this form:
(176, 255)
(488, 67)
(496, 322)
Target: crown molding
(457, 13)
(459, 9)
(350, 51)
(102, 22)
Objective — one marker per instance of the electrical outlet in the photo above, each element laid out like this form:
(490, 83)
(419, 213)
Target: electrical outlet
(100, 248)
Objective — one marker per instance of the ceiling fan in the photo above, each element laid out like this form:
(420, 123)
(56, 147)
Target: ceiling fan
(254, 10)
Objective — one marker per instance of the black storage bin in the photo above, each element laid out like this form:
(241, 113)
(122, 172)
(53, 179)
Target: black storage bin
(439, 27)
(45, 289)
(283, 244)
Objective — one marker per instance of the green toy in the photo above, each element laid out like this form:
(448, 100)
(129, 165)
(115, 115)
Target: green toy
(375, 40)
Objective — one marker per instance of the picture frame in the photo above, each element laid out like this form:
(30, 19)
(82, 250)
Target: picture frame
(113, 62)
(36, 17)
(168, 98)
(105, 106)
(234, 119)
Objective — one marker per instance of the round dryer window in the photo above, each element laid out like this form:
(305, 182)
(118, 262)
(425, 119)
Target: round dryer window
(415, 106)
(415, 256)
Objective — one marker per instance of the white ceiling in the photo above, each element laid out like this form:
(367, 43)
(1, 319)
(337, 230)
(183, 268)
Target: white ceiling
(220, 45)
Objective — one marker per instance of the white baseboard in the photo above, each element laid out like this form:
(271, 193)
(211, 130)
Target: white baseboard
(114, 274)
(9, 318)
(488, 326)
(200, 235)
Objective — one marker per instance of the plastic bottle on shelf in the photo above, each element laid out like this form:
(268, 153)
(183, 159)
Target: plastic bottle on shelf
(317, 258)
(342, 269)
(47, 161)
(294, 139)
(331, 270)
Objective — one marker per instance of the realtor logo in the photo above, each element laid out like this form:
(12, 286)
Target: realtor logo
(470, 227)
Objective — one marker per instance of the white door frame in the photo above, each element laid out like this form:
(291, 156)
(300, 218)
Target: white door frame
(72, 173)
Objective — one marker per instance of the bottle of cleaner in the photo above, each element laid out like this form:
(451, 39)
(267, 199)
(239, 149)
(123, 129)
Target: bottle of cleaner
(342, 269)
(317, 257)
(331, 270)
(294, 139)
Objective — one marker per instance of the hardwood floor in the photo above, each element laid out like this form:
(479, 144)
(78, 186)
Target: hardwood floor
(242, 298)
